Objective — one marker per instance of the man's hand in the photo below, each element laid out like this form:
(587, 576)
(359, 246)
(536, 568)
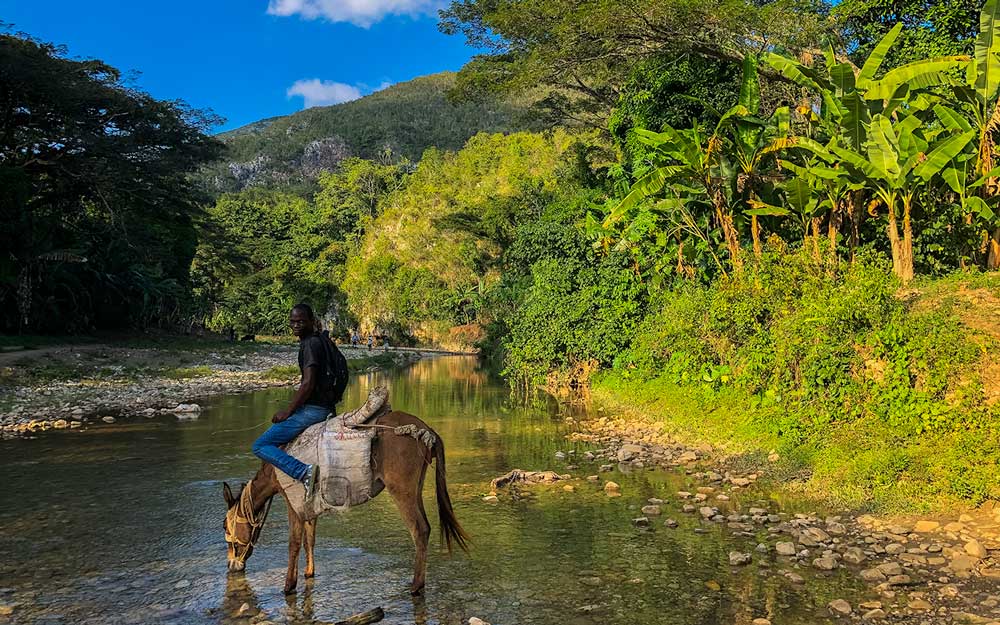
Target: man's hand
(280, 416)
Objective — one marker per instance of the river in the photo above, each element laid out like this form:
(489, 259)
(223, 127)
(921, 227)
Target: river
(122, 523)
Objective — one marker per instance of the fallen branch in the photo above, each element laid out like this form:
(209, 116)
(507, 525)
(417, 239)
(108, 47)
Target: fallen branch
(517, 475)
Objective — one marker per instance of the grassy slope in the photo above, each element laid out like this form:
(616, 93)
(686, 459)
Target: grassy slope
(409, 117)
(861, 463)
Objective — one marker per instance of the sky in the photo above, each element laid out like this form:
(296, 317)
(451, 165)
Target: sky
(250, 59)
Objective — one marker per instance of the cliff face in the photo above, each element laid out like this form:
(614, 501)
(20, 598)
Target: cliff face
(403, 119)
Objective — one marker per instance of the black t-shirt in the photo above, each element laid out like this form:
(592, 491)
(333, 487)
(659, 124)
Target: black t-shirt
(313, 353)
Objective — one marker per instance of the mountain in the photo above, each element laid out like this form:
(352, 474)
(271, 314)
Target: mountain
(406, 118)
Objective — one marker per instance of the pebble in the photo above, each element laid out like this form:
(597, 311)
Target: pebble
(739, 558)
(474, 620)
(651, 510)
(760, 621)
(108, 419)
(612, 487)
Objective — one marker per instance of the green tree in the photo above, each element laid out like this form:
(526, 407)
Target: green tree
(932, 27)
(96, 200)
(580, 52)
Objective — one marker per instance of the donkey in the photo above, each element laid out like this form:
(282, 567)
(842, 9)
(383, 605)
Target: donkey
(399, 464)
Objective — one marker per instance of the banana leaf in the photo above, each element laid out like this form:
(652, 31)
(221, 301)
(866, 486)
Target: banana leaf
(750, 85)
(987, 74)
(942, 154)
(855, 123)
(980, 207)
(952, 119)
(794, 71)
(867, 74)
(917, 75)
(883, 148)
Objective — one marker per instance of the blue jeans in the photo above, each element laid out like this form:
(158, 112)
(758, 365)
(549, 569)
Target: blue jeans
(266, 447)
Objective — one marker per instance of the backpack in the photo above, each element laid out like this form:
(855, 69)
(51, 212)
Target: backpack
(336, 369)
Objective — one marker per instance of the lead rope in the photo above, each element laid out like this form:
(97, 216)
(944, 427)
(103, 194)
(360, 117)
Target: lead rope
(244, 512)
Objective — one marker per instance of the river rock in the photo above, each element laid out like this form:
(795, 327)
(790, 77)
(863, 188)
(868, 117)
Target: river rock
(612, 487)
(922, 527)
(651, 510)
(707, 512)
(7, 609)
(474, 620)
(890, 568)
(854, 555)
(641, 521)
(873, 576)
(871, 615)
(785, 548)
(739, 558)
(669, 523)
(975, 549)
(825, 563)
(961, 563)
(760, 621)
(839, 607)
(687, 457)
(629, 452)
(108, 419)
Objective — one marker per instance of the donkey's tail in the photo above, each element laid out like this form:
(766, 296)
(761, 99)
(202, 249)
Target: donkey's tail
(450, 529)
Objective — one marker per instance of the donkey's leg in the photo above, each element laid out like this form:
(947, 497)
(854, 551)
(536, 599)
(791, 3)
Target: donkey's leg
(309, 532)
(411, 507)
(295, 527)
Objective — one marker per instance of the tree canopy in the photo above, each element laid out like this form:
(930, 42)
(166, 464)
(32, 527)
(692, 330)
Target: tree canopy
(96, 202)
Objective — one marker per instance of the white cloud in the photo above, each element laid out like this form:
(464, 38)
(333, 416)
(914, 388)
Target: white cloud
(361, 13)
(316, 92)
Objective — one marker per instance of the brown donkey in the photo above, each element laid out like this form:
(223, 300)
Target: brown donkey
(399, 464)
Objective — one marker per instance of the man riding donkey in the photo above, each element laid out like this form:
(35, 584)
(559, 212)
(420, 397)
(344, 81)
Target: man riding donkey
(398, 449)
(323, 372)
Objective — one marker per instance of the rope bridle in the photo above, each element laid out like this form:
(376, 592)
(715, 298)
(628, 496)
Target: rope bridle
(244, 512)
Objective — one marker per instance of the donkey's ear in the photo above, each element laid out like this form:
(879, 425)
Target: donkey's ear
(227, 494)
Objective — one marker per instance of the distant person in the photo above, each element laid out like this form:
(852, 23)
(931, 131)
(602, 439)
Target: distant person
(324, 377)
(355, 339)
(371, 341)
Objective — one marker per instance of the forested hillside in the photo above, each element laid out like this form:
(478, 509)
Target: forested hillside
(400, 121)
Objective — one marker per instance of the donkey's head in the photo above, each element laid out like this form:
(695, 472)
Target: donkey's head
(242, 526)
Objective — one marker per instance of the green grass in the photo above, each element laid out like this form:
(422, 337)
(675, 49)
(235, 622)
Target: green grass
(859, 464)
(282, 372)
(186, 373)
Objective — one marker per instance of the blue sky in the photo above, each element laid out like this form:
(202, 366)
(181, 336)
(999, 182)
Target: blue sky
(250, 59)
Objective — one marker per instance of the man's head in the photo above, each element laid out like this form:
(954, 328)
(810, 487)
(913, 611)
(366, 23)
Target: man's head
(302, 320)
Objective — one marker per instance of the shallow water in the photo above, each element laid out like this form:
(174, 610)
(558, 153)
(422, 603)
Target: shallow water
(122, 523)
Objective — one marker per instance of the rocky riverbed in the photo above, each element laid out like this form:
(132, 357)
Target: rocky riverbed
(915, 570)
(72, 386)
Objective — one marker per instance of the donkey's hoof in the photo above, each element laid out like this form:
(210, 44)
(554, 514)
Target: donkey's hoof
(289, 590)
(417, 590)
(310, 574)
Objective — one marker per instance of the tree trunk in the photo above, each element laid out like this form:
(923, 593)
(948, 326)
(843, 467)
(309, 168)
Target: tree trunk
(832, 230)
(755, 232)
(725, 218)
(854, 214)
(895, 244)
(907, 251)
(993, 248)
(815, 240)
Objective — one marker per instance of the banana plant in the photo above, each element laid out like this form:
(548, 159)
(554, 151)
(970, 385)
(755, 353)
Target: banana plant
(699, 164)
(897, 160)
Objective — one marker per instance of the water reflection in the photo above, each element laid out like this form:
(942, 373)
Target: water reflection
(122, 524)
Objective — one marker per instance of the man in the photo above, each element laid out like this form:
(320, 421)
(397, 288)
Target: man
(324, 377)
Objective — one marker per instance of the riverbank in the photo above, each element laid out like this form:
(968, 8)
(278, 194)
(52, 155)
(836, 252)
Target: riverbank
(67, 386)
(939, 567)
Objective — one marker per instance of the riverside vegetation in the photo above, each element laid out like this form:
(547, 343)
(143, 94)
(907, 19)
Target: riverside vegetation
(770, 225)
